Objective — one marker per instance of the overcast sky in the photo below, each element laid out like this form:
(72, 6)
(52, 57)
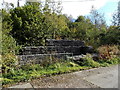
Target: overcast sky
(83, 7)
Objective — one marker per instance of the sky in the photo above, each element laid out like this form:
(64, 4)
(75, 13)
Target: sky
(83, 7)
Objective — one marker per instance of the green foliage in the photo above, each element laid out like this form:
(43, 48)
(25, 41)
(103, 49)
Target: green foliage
(8, 43)
(112, 36)
(9, 47)
(79, 28)
(31, 71)
(27, 25)
(56, 26)
(31, 67)
(84, 29)
(88, 61)
(103, 63)
(71, 64)
(92, 37)
(80, 19)
(114, 60)
(9, 60)
(116, 16)
(6, 81)
(32, 25)
(34, 71)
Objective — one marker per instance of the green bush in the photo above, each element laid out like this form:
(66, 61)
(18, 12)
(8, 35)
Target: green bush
(72, 64)
(31, 67)
(112, 36)
(6, 81)
(114, 60)
(88, 61)
(9, 47)
(9, 61)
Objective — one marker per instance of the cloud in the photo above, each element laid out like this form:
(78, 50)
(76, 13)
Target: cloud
(81, 8)
(11, 1)
(114, 0)
(22, 2)
(110, 14)
(75, 7)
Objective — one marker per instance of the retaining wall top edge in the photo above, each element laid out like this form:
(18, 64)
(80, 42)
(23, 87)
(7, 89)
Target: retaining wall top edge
(48, 54)
(50, 46)
(62, 40)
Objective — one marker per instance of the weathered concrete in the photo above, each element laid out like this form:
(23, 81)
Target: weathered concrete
(109, 79)
(27, 85)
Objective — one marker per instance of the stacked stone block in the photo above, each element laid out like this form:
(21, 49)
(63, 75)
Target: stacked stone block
(54, 48)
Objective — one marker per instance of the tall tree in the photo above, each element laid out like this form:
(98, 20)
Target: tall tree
(8, 44)
(112, 36)
(32, 25)
(54, 19)
(116, 16)
(27, 24)
(97, 18)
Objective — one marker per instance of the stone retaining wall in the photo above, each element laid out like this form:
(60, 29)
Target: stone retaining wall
(76, 50)
(54, 48)
(52, 42)
(58, 46)
(39, 58)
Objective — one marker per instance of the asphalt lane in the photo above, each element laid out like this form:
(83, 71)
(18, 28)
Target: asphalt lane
(109, 79)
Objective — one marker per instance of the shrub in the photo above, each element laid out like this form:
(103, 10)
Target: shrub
(72, 64)
(114, 60)
(9, 49)
(29, 67)
(112, 36)
(9, 61)
(9, 46)
(6, 81)
(88, 61)
(107, 52)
